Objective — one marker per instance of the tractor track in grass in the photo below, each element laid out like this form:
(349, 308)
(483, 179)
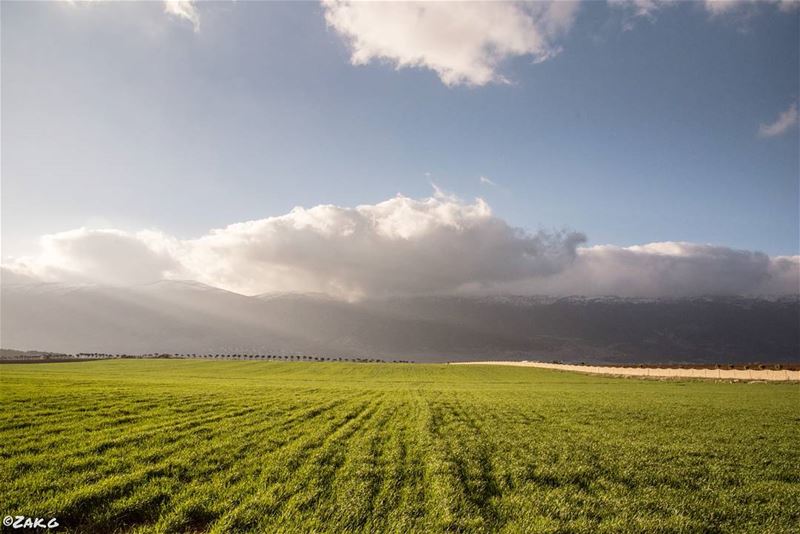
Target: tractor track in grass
(180, 446)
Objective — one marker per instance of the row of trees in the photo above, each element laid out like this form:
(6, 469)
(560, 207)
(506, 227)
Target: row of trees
(289, 357)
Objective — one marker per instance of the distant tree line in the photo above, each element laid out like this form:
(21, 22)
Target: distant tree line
(284, 357)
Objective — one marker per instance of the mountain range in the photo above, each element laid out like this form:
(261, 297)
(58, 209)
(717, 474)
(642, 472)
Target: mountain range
(189, 317)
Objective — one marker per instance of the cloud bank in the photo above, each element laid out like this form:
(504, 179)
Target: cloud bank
(403, 246)
(399, 246)
(672, 269)
(463, 43)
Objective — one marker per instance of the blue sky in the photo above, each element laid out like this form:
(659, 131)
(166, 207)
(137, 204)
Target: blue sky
(641, 129)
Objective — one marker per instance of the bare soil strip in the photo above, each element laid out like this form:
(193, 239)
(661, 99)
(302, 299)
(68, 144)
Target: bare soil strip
(771, 375)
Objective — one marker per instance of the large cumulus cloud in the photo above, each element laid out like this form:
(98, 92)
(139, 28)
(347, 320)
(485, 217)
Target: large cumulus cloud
(399, 246)
(405, 246)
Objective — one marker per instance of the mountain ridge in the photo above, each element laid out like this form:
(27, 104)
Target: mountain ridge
(190, 317)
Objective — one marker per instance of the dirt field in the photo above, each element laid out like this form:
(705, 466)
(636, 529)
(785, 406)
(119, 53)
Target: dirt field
(771, 375)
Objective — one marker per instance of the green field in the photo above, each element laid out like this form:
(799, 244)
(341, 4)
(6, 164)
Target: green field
(195, 446)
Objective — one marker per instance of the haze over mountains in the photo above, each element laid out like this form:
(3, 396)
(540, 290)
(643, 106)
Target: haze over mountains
(189, 317)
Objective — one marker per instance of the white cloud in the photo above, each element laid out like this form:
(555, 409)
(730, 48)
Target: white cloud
(637, 9)
(399, 246)
(487, 181)
(672, 269)
(785, 121)
(719, 7)
(649, 8)
(405, 246)
(464, 43)
(788, 6)
(100, 256)
(184, 9)
(640, 8)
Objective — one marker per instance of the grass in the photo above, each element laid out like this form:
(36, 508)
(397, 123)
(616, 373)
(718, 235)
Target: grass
(196, 446)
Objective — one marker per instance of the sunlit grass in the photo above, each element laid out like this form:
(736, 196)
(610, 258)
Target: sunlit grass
(178, 446)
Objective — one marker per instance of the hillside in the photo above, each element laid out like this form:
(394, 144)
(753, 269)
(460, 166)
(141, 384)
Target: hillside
(188, 317)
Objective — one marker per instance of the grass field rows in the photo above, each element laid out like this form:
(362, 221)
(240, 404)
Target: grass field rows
(196, 446)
